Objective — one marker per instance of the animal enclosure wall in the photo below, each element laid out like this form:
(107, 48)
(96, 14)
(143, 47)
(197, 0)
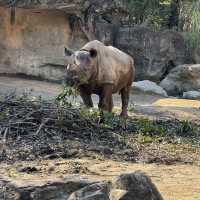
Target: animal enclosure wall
(33, 42)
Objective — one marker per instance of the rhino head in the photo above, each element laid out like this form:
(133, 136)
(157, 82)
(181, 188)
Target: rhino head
(81, 66)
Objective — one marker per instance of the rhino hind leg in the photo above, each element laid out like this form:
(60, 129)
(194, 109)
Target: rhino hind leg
(125, 92)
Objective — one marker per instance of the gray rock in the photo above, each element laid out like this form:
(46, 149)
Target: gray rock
(192, 95)
(181, 79)
(154, 53)
(135, 186)
(130, 186)
(149, 86)
(97, 191)
(41, 189)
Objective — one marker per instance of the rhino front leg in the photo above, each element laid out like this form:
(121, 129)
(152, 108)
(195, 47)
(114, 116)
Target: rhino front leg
(86, 97)
(125, 92)
(105, 101)
(111, 105)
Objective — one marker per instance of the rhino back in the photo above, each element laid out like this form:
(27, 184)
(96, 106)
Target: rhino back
(114, 66)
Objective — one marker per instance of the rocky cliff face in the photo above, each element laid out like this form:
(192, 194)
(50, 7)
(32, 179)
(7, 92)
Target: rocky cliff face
(155, 53)
(34, 33)
(34, 44)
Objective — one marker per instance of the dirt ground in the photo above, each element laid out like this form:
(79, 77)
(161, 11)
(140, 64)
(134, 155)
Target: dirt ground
(175, 180)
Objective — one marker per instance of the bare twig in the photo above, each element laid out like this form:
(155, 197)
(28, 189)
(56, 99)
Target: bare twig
(41, 126)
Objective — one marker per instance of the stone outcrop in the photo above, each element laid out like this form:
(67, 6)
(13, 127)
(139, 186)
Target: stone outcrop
(191, 95)
(149, 87)
(155, 53)
(127, 186)
(181, 79)
(34, 44)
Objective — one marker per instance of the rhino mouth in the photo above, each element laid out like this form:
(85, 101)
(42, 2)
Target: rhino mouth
(71, 81)
(76, 80)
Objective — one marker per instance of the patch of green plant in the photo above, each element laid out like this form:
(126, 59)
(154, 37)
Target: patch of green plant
(131, 107)
(67, 96)
(147, 127)
(154, 13)
(92, 114)
(143, 139)
(4, 114)
(187, 129)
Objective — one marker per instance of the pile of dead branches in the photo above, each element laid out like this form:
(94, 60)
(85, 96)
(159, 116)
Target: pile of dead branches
(31, 129)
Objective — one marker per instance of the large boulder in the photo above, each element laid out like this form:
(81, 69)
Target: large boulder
(135, 186)
(149, 87)
(155, 53)
(192, 95)
(181, 79)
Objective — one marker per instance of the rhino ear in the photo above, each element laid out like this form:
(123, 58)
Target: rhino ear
(93, 53)
(68, 52)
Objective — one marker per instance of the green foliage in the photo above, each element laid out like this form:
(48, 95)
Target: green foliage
(181, 15)
(189, 16)
(147, 127)
(4, 114)
(187, 129)
(195, 16)
(67, 96)
(154, 13)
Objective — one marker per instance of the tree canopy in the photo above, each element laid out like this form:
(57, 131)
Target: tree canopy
(182, 15)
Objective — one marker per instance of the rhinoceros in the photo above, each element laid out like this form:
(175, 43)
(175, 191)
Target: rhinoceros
(102, 70)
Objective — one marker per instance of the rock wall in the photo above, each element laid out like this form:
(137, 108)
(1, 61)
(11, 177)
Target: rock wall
(34, 43)
(155, 53)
